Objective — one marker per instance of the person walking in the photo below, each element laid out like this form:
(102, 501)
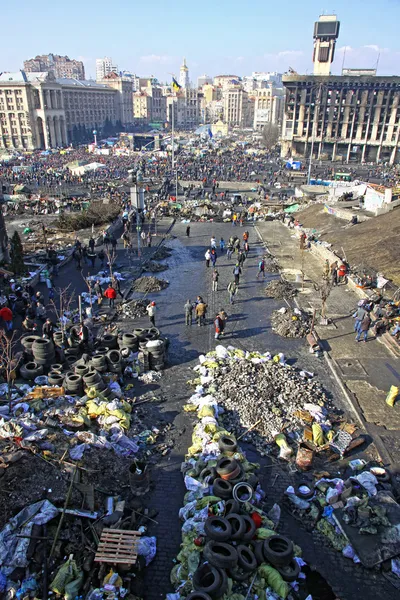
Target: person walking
(229, 251)
(215, 277)
(213, 242)
(222, 244)
(201, 309)
(98, 290)
(334, 273)
(149, 240)
(207, 256)
(48, 329)
(237, 271)
(143, 238)
(111, 294)
(232, 289)
(92, 257)
(261, 269)
(188, 312)
(188, 231)
(241, 258)
(246, 249)
(6, 316)
(92, 244)
(218, 326)
(363, 328)
(151, 311)
(213, 256)
(117, 286)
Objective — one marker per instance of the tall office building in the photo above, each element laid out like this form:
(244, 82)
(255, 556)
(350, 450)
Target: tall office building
(326, 32)
(61, 66)
(104, 66)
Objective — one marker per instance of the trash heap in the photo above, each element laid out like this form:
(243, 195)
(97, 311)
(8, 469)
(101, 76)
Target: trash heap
(270, 265)
(149, 284)
(153, 267)
(230, 547)
(134, 309)
(288, 322)
(280, 289)
(357, 513)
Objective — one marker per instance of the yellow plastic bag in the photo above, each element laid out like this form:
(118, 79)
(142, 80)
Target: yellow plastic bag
(318, 435)
(274, 580)
(205, 411)
(392, 395)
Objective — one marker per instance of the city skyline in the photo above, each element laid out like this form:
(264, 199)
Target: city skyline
(227, 40)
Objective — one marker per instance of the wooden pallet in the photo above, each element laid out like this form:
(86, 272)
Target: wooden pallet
(40, 392)
(117, 546)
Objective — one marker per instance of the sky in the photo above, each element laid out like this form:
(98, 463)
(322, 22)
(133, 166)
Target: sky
(216, 36)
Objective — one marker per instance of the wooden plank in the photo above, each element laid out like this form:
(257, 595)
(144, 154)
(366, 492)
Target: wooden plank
(116, 546)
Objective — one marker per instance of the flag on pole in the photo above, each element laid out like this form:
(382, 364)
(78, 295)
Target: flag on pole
(175, 85)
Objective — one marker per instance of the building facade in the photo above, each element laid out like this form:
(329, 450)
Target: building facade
(203, 80)
(237, 107)
(39, 111)
(269, 106)
(184, 75)
(123, 85)
(142, 104)
(105, 66)
(61, 66)
(326, 32)
(158, 104)
(343, 118)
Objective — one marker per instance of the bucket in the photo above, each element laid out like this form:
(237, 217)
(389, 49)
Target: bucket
(139, 478)
(299, 277)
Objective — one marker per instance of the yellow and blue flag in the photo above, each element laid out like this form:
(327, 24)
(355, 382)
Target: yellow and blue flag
(175, 85)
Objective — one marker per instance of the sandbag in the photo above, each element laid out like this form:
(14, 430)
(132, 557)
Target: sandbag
(318, 435)
(274, 580)
(392, 395)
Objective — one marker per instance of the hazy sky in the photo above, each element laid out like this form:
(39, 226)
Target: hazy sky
(218, 36)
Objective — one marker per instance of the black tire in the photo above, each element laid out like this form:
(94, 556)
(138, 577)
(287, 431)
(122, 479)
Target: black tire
(42, 346)
(73, 380)
(71, 352)
(218, 529)
(291, 572)
(252, 480)
(227, 444)
(246, 559)
(238, 526)
(207, 579)
(232, 507)
(28, 340)
(70, 360)
(224, 585)
(304, 495)
(258, 549)
(114, 357)
(222, 488)
(198, 596)
(55, 378)
(250, 528)
(130, 340)
(155, 332)
(209, 472)
(385, 478)
(238, 574)
(278, 550)
(220, 554)
(44, 362)
(226, 465)
(30, 371)
(57, 367)
(99, 361)
(109, 340)
(91, 378)
(81, 370)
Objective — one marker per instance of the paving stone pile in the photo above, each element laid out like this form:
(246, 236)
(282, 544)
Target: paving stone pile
(149, 284)
(154, 267)
(290, 323)
(280, 289)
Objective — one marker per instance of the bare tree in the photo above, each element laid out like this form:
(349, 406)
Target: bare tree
(61, 304)
(9, 361)
(111, 258)
(324, 289)
(270, 135)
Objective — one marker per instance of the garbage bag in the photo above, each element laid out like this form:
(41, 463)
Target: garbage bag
(318, 435)
(147, 547)
(67, 573)
(337, 540)
(263, 533)
(285, 450)
(392, 395)
(206, 411)
(274, 580)
(203, 502)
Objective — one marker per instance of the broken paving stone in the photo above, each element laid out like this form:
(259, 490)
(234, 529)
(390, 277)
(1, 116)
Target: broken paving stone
(291, 323)
(161, 253)
(280, 289)
(154, 267)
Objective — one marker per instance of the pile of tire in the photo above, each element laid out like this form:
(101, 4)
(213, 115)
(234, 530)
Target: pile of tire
(58, 338)
(73, 384)
(156, 351)
(128, 340)
(71, 356)
(99, 361)
(93, 380)
(30, 370)
(109, 340)
(27, 343)
(43, 352)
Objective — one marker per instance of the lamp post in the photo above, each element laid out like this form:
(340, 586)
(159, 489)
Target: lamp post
(95, 136)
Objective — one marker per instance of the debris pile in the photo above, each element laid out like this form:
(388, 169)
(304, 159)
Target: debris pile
(134, 309)
(270, 265)
(229, 542)
(149, 284)
(161, 253)
(291, 323)
(154, 267)
(280, 289)
(260, 392)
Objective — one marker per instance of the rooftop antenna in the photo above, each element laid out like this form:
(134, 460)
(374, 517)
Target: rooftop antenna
(344, 57)
(377, 61)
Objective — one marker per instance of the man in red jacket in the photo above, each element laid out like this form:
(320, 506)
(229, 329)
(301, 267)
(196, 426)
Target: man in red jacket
(111, 294)
(7, 318)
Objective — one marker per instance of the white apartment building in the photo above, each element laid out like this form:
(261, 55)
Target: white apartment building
(236, 107)
(105, 66)
(269, 104)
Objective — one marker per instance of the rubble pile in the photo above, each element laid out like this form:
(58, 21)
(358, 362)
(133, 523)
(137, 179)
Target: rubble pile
(161, 253)
(261, 392)
(290, 323)
(271, 265)
(230, 544)
(280, 289)
(149, 284)
(135, 309)
(154, 267)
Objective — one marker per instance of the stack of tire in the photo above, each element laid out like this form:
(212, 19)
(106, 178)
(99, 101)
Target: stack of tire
(73, 384)
(99, 361)
(58, 338)
(27, 343)
(156, 351)
(43, 352)
(109, 341)
(128, 340)
(92, 379)
(56, 375)
(71, 356)
(114, 361)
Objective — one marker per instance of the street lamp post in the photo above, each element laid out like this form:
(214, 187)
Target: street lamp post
(95, 136)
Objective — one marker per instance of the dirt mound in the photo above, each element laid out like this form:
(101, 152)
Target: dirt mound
(154, 267)
(368, 245)
(149, 284)
(162, 252)
(280, 289)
